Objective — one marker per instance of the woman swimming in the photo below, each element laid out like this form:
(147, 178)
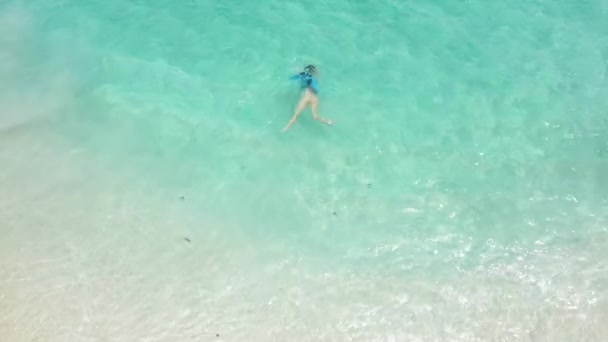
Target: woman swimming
(310, 89)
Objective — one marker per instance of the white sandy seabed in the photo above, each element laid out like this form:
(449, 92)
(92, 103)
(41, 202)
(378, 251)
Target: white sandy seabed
(91, 252)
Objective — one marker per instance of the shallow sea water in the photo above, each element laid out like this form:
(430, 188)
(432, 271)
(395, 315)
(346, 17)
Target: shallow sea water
(147, 194)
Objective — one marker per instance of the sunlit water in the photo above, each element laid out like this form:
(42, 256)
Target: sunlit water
(147, 194)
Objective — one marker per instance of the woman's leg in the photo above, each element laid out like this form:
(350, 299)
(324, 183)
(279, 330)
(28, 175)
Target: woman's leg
(314, 103)
(301, 105)
(298, 109)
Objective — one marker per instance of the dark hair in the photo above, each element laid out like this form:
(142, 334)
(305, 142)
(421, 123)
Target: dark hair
(310, 68)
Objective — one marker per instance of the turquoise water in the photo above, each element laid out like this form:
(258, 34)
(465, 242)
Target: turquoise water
(462, 193)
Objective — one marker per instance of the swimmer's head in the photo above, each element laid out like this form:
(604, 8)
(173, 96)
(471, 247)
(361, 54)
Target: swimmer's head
(311, 69)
